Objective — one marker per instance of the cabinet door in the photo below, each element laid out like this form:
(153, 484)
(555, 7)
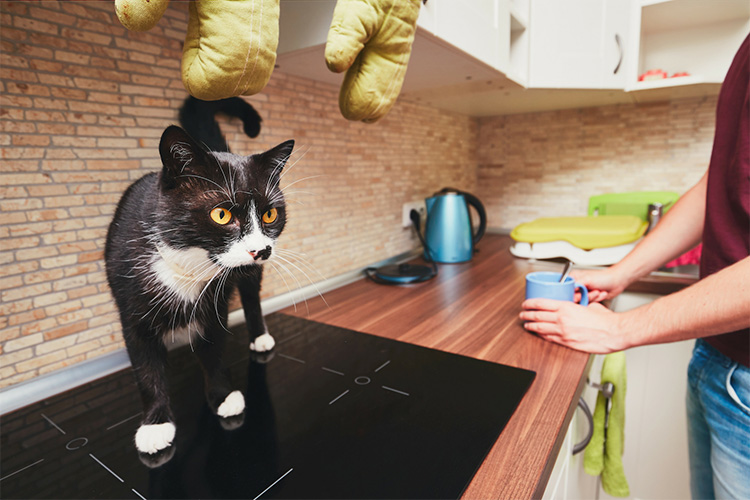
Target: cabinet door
(616, 44)
(472, 27)
(573, 43)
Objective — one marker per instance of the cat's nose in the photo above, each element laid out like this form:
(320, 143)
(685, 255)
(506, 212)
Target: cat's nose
(258, 254)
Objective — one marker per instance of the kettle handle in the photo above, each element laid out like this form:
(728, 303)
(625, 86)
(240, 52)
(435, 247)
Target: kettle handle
(474, 202)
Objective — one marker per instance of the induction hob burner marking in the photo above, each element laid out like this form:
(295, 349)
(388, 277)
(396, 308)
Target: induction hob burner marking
(81, 442)
(274, 483)
(362, 380)
(123, 421)
(77, 444)
(339, 397)
(331, 371)
(45, 417)
(106, 468)
(291, 358)
(382, 366)
(394, 390)
(287, 339)
(23, 469)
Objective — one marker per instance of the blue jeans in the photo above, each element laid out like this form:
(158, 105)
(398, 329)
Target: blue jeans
(718, 411)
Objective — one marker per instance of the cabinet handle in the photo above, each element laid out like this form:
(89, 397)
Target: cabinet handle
(579, 447)
(619, 48)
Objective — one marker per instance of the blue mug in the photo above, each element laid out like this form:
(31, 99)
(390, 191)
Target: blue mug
(546, 285)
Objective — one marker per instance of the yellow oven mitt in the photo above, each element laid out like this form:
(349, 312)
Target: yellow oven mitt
(371, 40)
(230, 46)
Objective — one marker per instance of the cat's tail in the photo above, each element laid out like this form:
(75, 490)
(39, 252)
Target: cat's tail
(198, 118)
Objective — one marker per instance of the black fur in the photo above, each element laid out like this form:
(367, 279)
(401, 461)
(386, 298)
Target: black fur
(172, 208)
(197, 117)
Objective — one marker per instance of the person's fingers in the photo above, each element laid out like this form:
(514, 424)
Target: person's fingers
(542, 304)
(538, 316)
(544, 329)
(597, 296)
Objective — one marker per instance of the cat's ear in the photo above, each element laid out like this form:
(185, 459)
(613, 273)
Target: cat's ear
(179, 153)
(275, 158)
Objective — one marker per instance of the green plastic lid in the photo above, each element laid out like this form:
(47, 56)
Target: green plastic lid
(632, 203)
(584, 232)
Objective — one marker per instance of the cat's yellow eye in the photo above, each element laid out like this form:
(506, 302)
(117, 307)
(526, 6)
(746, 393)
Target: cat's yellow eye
(270, 216)
(221, 216)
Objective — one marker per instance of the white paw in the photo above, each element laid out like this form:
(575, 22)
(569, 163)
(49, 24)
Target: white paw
(263, 343)
(152, 438)
(234, 404)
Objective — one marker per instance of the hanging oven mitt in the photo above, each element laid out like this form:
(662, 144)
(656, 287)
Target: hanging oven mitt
(603, 455)
(371, 40)
(230, 46)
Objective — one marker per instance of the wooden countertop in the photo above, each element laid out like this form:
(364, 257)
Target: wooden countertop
(472, 309)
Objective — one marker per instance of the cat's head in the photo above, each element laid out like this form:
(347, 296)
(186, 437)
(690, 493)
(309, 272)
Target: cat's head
(229, 205)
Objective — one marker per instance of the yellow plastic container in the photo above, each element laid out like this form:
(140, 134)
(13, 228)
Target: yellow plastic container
(583, 232)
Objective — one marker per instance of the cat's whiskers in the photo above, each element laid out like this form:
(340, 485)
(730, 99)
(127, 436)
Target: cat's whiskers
(300, 180)
(229, 184)
(273, 178)
(219, 290)
(151, 234)
(299, 285)
(315, 286)
(222, 189)
(291, 192)
(172, 297)
(288, 289)
(290, 167)
(198, 302)
(280, 163)
(301, 257)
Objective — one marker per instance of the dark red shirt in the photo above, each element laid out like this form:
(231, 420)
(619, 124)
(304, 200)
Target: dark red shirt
(726, 233)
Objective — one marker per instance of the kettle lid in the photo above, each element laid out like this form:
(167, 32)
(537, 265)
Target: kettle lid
(448, 191)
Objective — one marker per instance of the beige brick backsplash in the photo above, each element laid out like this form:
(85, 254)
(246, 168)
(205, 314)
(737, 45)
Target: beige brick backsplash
(18, 344)
(55, 345)
(549, 164)
(83, 103)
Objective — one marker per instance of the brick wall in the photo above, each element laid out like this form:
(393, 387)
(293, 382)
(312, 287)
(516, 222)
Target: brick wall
(548, 164)
(83, 103)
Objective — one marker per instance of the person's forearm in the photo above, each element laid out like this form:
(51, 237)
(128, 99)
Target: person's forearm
(717, 304)
(679, 230)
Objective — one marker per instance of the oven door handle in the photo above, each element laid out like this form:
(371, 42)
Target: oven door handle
(579, 447)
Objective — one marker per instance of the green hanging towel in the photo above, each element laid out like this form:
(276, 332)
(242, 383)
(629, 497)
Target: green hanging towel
(603, 455)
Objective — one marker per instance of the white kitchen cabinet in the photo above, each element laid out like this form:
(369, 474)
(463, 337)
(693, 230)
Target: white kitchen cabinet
(579, 44)
(655, 451)
(698, 37)
(473, 27)
(567, 479)
(457, 44)
(518, 49)
(478, 28)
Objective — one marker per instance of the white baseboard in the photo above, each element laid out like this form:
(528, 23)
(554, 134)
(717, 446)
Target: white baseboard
(47, 385)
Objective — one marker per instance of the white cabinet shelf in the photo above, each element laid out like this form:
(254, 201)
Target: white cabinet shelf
(698, 37)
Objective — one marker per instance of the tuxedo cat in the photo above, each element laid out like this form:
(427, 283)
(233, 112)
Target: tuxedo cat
(180, 242)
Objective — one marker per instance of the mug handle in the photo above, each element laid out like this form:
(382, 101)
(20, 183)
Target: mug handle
(584, 293)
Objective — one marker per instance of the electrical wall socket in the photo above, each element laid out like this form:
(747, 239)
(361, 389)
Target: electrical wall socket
(419, 206)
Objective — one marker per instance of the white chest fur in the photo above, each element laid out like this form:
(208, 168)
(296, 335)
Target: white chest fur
(185, 272)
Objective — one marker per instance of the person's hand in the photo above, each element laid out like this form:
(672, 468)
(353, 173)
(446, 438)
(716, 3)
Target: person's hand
(593, 329)
(602, 284)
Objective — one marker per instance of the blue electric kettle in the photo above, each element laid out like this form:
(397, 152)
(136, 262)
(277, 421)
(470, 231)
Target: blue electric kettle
(449, 237)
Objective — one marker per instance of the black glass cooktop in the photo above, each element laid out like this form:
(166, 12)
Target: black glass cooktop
(331, 413)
